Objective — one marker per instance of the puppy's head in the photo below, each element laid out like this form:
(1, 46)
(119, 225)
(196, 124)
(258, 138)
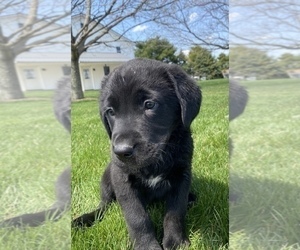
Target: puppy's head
(142, 103)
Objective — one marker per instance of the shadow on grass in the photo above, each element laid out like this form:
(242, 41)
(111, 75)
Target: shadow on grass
(208, 219)
(264, 214)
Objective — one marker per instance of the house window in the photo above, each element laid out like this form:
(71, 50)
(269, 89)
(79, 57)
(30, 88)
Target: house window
(29, 73)
(20, 25)
(81, 25)
(66, 70)
(86, 74)
(106, 70)
(118, 49)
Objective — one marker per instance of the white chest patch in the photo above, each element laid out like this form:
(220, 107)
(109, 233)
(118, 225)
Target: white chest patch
(152, 182)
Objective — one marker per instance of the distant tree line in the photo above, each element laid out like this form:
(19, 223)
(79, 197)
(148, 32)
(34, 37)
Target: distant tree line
(244, 61)
(247, 62)
(198, 62)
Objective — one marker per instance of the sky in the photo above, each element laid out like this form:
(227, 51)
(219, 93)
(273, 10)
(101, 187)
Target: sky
(278, 22)
(140, 32)
(145, 31)
(268, 23)
(148, 30)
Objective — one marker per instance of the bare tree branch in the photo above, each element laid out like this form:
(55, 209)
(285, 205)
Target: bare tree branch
(9, 4)
(94, 21)
(35, 30)
(269, 24)
(203, 23)
(99, 21)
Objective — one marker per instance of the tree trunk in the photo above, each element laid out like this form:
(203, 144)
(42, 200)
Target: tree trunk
(9, 83)
(76, 87)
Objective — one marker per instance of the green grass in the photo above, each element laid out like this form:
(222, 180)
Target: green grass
(265, 168)
(39, 94)
(264, 171)
(207, 221)
(34, 149)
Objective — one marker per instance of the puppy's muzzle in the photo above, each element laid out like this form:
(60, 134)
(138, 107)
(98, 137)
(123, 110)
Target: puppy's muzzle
(123, 150)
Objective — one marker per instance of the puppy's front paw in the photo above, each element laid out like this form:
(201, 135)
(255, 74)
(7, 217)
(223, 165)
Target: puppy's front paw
(174, 242)
(154, 246)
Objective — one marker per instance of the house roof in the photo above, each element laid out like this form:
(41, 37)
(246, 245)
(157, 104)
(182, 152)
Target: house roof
(80, 17)
(103, 57)
(30, 57)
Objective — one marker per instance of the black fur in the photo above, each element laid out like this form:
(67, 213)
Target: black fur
(238, 98)
(147, 108)
(62, 110)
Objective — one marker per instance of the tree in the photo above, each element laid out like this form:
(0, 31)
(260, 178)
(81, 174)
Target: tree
(182, 60)
(247, 61)
(223, 62)
(204, 23)
(202, 63)
(158, 49)
(285, 62)
(99, 18)
(39, 29)
(271, 24)
(289, 61)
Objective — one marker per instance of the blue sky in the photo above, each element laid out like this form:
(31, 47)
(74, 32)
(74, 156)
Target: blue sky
(148, 30)
(277, 23)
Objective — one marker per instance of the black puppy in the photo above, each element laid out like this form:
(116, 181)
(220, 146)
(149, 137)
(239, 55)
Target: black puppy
(62, 110)
(147, 108)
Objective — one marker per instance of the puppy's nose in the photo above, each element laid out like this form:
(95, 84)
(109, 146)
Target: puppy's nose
(123, 150)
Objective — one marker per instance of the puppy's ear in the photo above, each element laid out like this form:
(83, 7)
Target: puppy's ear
(62, 102)
(106, 125)
(188, 94)
(104, 119)
(103, 106)
(238, 98)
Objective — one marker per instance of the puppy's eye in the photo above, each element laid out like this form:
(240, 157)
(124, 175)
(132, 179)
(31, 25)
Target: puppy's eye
(149, 105)
(110, 112)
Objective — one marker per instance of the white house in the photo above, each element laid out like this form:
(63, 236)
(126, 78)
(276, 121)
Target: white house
(41, 70)
(42, 67)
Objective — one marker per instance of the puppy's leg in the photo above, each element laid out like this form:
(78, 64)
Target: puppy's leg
(192, 198)
(176, 207)
(107, 196)
(138, 221)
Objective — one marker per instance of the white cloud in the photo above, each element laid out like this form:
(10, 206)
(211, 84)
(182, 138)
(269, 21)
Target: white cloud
(186, 52)
(234, 16)
(139, 28)
(193, 17)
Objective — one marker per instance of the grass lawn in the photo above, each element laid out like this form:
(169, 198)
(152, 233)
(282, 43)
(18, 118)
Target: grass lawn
(265, 167)
(34, 149)
(207, 221)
